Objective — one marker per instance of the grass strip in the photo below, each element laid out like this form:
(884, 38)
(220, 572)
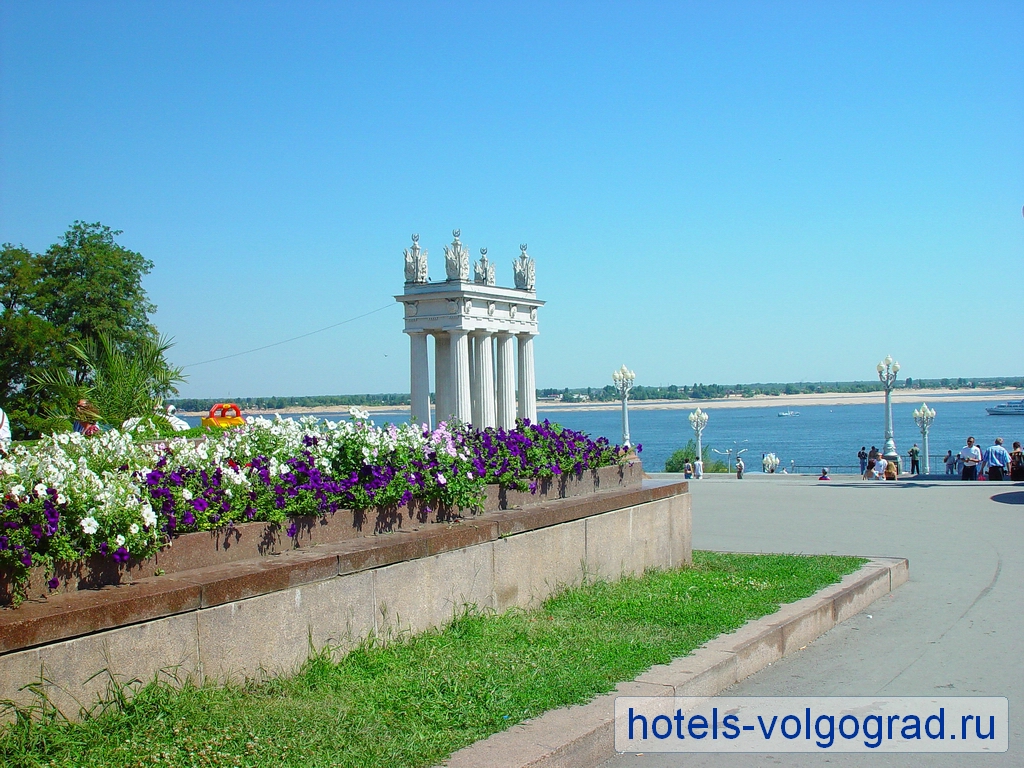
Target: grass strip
(416, 700)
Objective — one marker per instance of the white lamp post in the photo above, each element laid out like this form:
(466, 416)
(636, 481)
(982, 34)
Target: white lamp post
(623, 379)
(923, 417)
(887, 370)
(699, 420)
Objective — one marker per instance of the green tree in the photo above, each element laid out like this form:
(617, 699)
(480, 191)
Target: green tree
(91, 287)
(81, 288)
(120, 384)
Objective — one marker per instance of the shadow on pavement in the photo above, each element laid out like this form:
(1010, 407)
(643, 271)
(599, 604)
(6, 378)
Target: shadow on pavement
(1013, 497)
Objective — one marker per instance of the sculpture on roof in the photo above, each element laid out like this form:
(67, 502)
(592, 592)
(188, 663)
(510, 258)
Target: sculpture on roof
(415, 262)
(524, 270)
(483, 271)
(456, 259)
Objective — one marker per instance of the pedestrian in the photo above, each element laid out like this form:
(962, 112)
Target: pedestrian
(698, 468)
(873, 453)
(739, 468)
(824, 474)
(950, 462)
(970, 456)
(1017, 462)
(881, 465)
(915, 460)
(5, 433)
(862, 456)
(688, 470)
(997, 459)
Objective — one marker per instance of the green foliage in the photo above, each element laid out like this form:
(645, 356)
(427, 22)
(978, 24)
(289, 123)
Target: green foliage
(677, 461)
(120, 385)
(82, 287)
(416, 700)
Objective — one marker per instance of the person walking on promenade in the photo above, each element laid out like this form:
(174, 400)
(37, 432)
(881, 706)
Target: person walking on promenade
(1017, 462)
(688, 470)
(698, 468)
(915, 460)
(970, 455)
(997, 459)
(862, 456)
(950, 462)
(739, 468)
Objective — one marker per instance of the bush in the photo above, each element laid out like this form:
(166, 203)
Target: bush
(677, 461)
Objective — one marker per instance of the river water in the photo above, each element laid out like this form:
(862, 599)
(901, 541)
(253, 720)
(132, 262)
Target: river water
(820, 436)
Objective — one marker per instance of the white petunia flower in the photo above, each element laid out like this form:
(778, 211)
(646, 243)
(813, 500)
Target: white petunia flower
(148, 516)
(186, 494)
(40, 490)
(120, 540)
(133, 529)
(18, 490)
(89, 525)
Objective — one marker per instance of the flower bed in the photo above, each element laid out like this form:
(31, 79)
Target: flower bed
(116, 498)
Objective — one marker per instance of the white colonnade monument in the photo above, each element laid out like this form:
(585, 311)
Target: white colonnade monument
(483, 338)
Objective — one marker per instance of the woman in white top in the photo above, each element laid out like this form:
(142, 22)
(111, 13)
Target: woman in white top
(5, 432)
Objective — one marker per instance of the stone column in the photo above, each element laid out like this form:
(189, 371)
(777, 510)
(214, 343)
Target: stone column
(485, 380)
(506, 381)
(442, 375)
(459, 376)
(474, 381)
(527, 379)
(419, 374)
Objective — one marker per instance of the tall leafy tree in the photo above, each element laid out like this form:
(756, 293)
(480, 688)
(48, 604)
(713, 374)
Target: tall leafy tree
(82, 288)
(91, 287)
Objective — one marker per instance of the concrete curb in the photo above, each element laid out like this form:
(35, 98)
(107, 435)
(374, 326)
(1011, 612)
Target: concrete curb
(574, 737)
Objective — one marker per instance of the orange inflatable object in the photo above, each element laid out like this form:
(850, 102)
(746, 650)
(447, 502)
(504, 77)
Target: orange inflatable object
(219, 416)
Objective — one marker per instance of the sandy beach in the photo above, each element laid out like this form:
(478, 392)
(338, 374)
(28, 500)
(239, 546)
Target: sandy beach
(783, 402)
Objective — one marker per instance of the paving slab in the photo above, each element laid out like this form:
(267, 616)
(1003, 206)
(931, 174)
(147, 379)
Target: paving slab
(955, 628)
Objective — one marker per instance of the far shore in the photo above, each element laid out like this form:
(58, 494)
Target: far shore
(785, 402)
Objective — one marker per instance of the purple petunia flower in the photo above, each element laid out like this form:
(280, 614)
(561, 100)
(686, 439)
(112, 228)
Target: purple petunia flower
(200, 505)
(53, 583)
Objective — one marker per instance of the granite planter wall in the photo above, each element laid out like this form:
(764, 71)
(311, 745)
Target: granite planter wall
(259, 616)
(255, 540)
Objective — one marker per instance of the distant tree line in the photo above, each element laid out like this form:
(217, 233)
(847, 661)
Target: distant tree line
(276, 403)
(711, 391)
(608, 393)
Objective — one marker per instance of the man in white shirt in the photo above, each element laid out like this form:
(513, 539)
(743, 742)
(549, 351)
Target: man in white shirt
(970, 454)
(5, 432)
(698, 469)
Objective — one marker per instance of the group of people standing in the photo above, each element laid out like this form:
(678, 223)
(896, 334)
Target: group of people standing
(971, 463)
(874, 466)
(994, 463)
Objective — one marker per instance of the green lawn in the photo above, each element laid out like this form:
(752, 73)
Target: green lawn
(414, 702)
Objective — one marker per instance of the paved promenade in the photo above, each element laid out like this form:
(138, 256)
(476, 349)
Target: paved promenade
(957, 628)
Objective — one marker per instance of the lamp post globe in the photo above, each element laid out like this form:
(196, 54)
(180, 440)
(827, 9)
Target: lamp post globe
(887, 370)
(923, 417)
(623, 379)
(699, 420)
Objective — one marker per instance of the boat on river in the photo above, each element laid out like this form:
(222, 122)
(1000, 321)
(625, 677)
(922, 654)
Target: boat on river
(1011, 408)
(789, 413)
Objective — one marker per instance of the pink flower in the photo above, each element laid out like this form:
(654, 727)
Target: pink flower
(440, 479)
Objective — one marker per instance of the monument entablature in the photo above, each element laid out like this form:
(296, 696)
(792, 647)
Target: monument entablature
(478, 329)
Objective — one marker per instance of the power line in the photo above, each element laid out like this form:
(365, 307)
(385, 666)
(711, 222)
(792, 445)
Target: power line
(294, 338)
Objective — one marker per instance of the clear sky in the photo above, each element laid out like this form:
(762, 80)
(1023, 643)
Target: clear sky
(716, 192)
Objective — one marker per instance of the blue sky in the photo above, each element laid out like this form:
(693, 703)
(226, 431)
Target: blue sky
(714, 192)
